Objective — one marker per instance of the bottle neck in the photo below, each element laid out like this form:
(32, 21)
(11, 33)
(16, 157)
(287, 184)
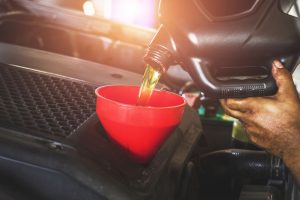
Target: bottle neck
(158, 57)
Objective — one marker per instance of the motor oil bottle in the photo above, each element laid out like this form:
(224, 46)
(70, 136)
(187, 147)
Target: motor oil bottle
(227, 46)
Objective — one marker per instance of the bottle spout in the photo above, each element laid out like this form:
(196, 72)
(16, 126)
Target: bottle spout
(160, 50)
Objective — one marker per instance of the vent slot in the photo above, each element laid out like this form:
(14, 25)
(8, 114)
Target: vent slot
(226, 9)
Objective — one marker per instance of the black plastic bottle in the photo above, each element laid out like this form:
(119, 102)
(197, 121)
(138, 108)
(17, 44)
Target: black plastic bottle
(226, 46)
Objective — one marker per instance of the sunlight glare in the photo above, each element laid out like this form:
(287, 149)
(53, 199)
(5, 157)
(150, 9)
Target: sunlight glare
(88, 8)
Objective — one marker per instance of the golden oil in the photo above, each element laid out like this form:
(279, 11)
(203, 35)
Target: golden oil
(150, 79)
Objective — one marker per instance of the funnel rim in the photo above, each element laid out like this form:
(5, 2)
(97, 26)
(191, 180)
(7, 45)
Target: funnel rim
(139, 107)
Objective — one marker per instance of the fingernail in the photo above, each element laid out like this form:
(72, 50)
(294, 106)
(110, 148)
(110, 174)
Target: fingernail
(277, 64)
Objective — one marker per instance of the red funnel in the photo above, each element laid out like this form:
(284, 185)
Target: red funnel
(140, 130)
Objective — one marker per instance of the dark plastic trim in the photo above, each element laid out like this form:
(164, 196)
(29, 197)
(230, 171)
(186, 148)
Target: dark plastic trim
(212, 18)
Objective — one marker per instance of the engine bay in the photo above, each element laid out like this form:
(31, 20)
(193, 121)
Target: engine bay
(54, 147)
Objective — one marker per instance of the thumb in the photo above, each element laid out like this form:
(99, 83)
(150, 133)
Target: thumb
(284, 81)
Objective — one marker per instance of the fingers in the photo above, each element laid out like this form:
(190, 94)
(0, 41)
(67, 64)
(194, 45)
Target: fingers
(246, 106)
(284, 81)
(229, 111)
(242, 105)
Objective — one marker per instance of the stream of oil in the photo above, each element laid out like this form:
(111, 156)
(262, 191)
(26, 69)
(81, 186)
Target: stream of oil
(150, 79)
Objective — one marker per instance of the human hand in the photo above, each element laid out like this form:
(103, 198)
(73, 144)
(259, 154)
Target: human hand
(272, 123)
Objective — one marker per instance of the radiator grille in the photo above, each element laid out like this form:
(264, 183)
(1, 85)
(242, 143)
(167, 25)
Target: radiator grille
(39, 103)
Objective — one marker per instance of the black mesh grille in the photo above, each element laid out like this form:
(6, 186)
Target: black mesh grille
(41, 104)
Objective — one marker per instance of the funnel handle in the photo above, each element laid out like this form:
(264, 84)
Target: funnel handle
(232, 88)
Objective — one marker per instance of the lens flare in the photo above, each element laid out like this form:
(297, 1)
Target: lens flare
(88, 8)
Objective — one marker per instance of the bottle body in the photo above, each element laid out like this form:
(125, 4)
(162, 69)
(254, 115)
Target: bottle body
(208, 45)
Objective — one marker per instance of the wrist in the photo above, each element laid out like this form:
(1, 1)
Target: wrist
(292, 162)
(291, 159)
